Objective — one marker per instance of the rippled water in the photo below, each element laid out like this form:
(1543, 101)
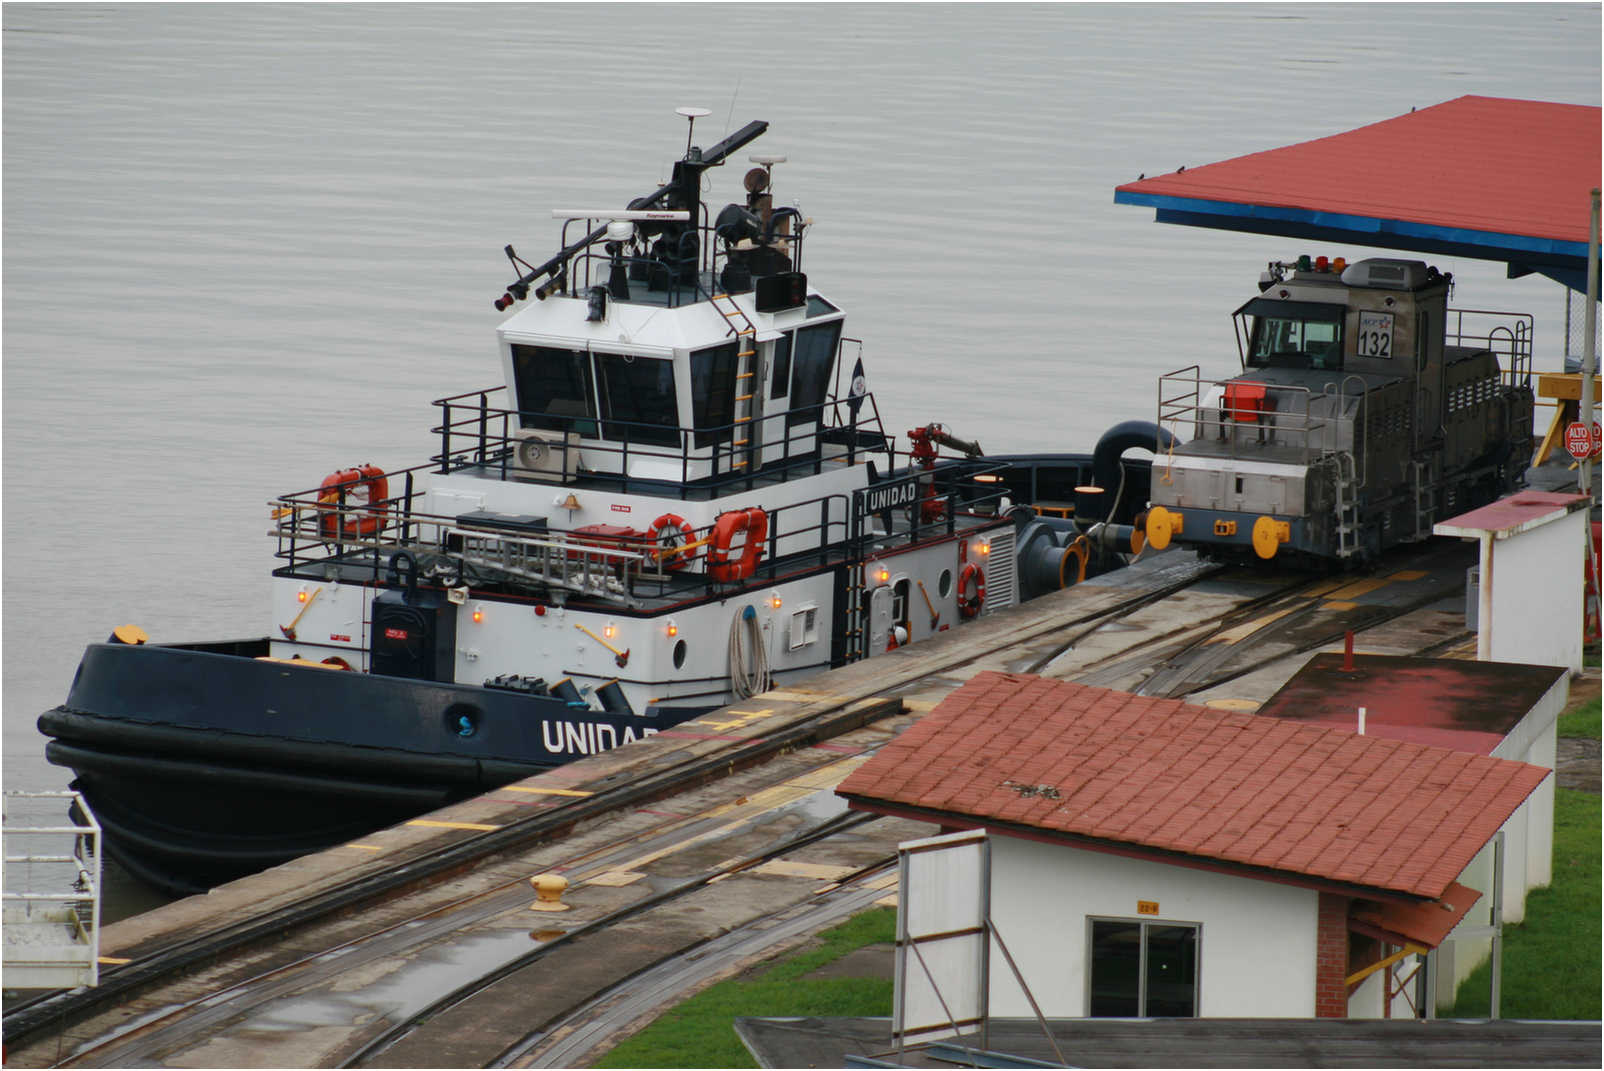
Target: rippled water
(247, 245)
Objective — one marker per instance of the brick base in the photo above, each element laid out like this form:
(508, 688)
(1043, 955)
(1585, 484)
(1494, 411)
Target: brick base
(1331, 958)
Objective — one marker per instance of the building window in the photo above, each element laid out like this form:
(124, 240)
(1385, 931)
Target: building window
(1142, 969)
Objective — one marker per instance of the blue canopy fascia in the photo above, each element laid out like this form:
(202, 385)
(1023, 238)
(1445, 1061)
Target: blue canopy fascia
(1565, 262)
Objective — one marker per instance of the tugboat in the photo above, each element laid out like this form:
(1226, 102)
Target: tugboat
(671, 503)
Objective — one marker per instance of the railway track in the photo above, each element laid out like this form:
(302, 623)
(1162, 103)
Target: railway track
(1182, 629)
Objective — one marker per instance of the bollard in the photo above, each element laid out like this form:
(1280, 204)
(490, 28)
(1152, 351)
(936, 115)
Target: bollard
(549, 890)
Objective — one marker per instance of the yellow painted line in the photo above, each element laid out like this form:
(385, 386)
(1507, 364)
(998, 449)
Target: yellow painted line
(792, 695)
(887, 901)
(738, 718)
(884, 881)
(1323, 587)
(1248, 628)
(1360, 587)
(1408, 574)
(615, 878)
(1338, 605)
(366, 847)
(545, 791)
(114, 960)
(431, 823)
(787, 868)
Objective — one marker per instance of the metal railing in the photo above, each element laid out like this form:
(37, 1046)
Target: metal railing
(474, 432)
(1284, 419)
(51, 891)
(682, 276)
(1507, 334)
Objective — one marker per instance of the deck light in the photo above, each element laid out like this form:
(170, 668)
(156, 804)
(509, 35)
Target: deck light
(609, 630)
(673, 629)
(1322, 264)
(983, 547)
(1339, 265)
(478, 615)
(774, 600)
(302, 595)
(882, 575)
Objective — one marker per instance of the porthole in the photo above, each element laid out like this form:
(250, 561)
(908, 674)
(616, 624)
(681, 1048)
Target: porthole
(679, 653)
(944, 585)
(462, 719)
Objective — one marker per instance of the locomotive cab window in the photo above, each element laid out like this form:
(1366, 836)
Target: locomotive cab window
(1294, 334)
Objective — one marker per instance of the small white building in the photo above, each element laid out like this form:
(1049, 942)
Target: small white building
(1485, 708)
(1149, 857)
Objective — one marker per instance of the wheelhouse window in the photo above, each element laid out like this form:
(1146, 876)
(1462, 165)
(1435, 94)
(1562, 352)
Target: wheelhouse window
(1142, 969)
(554, 389)
(713, 393)
(812, 361)
(638, 401)
(1294, 334)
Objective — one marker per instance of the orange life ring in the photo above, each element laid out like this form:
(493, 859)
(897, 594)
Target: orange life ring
(755, 523)
(669, 535)
(969, 605)
(365, 481)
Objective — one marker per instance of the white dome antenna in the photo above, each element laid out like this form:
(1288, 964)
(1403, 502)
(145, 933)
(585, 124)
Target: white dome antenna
(691, 115)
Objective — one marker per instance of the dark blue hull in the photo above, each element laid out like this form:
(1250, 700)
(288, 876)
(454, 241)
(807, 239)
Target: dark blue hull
(203, 767)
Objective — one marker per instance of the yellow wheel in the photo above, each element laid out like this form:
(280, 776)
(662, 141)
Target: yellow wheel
(1268, 535)
(1159, 527)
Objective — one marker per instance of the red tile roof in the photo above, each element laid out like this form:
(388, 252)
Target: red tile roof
(1521, 167)
(1425, 923)
(1161, 774)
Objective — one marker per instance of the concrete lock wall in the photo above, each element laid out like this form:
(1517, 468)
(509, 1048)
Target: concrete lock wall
(1256, 944)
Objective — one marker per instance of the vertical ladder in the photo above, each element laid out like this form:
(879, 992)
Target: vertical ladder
(1347, 488)
(746, 382)
(1425, 489)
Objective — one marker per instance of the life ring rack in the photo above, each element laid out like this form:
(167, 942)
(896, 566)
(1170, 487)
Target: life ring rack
(671, 539)
(971, 578)
(755, 523)
(340, 521)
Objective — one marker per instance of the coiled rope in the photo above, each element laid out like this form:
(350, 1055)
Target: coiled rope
(749, 659)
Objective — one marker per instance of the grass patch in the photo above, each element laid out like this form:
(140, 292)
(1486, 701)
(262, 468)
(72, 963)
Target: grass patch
(1551, 960)
(1583, 721)
(700, 1032)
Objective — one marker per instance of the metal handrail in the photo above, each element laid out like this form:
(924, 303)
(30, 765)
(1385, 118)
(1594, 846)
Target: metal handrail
(1296, 429)
(492, 436)
(1511, 337)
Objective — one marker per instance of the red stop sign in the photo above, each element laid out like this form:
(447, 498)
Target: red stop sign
(1579, 439)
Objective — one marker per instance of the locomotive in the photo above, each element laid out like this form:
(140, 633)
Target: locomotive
(1366, 410)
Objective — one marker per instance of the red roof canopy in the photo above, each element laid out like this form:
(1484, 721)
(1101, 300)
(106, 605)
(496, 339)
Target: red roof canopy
(1104, 768)
(1485, 177)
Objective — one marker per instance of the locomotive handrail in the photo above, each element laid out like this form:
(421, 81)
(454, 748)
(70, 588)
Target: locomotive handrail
(1292, 426)
(1511, 337)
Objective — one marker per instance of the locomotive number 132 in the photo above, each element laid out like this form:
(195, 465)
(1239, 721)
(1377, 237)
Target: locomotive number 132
(1375, 334)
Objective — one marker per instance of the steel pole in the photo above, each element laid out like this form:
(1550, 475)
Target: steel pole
(1589, 343)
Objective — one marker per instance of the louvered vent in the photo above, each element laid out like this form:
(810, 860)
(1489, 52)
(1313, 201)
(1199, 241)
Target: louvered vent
(1002, 584)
